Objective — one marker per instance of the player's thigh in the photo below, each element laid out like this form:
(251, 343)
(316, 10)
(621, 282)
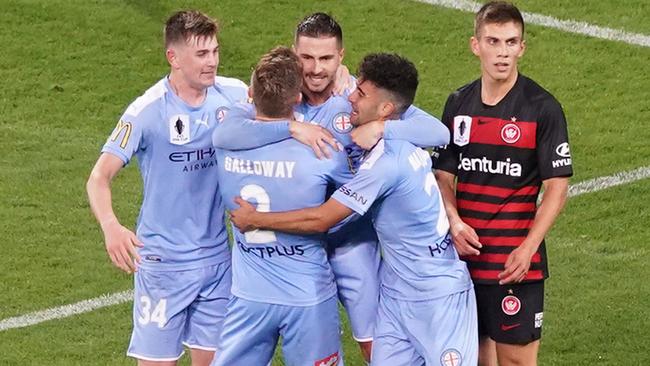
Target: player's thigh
(249, 334)
(356, 270)
(311, 335)
(517, 354)
(444, 330)
(391, 344)
(161, 299)
(511, 314)
(207, 311)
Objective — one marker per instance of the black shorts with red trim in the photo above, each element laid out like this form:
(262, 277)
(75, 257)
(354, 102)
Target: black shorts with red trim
(510, 314)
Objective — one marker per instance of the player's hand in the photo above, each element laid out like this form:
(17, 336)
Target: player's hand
(465, 238)
(342, 80)
(367, 135)
(517, 265)
(121, 246)
(242, 217)
(315, 137)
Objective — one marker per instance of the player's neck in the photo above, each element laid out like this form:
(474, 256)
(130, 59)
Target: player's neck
(317, 98)
(263, 118)
(493, 91)
(194, 97)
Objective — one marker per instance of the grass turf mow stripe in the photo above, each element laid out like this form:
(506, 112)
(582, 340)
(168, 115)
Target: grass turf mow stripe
(570, 26)
(588, 186)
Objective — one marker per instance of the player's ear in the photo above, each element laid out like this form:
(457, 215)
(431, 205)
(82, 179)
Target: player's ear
(523, 48)
(342, 53)
(172, 57)
(299, 98)
(386, 109)
(473, 45)
(250, 92)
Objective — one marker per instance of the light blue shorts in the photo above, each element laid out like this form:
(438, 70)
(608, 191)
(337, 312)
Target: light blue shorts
(356, 270)
(172, 308)
(442, 331)
(310, 334)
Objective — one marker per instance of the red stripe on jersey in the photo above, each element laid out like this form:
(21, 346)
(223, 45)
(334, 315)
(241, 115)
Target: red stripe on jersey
(498, 224)
(494, 208)
(484, 274)
(504, 241)
(497, 258)
(496, 191)
(495, 131)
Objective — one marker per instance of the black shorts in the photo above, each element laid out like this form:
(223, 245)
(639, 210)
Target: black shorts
(511, 314)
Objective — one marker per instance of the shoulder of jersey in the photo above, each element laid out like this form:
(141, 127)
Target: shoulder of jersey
(152, 95)
(535, 92)
(229, 82)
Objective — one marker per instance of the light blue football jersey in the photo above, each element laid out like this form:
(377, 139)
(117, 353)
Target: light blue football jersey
(275, 267)
(395, 184)
(181, 221)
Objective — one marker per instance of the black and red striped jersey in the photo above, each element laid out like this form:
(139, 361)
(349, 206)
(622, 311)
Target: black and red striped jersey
(500, 155)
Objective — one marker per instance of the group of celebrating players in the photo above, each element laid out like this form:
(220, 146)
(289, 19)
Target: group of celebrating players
(332, 197)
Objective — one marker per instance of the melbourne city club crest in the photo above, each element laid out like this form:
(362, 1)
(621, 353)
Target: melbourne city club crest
(462, 128)
(342, 123)
(179, 129)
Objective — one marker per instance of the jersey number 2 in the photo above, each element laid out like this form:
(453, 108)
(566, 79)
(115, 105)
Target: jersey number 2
(263, 200)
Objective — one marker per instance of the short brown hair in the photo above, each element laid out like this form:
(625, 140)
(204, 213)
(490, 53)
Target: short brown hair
(276, 81)
(185, 24)
(498, 12)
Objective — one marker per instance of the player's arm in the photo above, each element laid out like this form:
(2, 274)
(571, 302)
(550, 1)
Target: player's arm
(518, 263)
(240, 131)
(304, 221)
(120, 242)
(415, 126)
(465, 238)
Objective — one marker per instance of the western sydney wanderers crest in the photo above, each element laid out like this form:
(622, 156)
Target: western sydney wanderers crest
(451, 357)
(462, 129)
(341, 122)
(179, 129)
(510, 133)
(510, 305)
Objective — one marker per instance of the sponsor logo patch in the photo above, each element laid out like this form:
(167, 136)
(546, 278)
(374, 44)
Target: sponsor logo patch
(510, 305)
(462, 128)
(341, 122)
(539, 319)
(563, 150)
(510, 133)
(179, 129)
(451, 357)
(330, 360)
(506, 328)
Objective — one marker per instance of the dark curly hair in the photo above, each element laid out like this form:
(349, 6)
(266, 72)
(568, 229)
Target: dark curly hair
(393, 73)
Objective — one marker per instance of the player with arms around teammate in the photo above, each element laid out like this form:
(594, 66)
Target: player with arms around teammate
(509, 137)
(354, 253)
(180, 249)
(282, 284)
(427, 311)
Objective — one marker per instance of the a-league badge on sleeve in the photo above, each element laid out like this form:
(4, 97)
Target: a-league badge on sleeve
(462, 128)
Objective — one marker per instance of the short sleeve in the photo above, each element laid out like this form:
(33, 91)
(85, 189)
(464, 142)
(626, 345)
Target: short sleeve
(553, 152)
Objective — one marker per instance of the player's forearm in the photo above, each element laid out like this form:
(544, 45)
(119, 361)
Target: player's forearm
(418, 128)
(100, 199)
(555, 195)
(446, 182)
(304, 221)
(239, 130)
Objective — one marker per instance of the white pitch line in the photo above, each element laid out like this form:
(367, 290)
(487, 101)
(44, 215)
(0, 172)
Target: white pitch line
(66, 310)
(589, 186)
(600, 183)
(571, 26)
